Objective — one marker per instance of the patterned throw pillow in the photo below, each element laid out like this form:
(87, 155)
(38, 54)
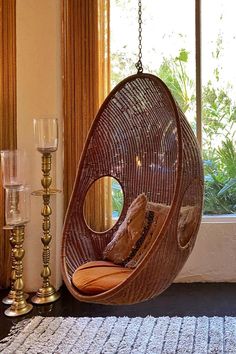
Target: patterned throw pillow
(155, 217)
(137, 233)
(120, 247)
(141, 227)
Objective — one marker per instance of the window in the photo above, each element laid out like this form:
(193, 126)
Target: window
(219, 105)
(171, 42)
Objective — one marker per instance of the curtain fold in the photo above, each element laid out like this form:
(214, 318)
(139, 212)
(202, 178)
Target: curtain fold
(86, 66)
(7, 114)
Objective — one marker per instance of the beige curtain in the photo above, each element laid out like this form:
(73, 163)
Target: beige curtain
(7, 113)
(86, 83)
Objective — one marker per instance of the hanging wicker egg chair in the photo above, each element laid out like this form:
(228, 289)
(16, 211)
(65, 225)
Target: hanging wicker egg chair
(140, 119)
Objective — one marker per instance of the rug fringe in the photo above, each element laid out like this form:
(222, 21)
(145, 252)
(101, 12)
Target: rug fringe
(15, 330)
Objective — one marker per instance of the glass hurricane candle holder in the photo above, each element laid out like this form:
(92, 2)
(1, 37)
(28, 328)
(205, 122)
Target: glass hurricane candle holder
(13, 164)
(46, 134)
(17, 205)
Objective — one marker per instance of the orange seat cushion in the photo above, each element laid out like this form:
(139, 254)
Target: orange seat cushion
(98, 276)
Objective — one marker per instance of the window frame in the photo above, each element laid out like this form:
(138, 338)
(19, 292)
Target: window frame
(229, 218)
(222, 218)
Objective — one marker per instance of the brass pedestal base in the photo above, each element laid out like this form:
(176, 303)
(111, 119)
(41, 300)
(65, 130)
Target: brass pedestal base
(46, 296)
(9, 299)
(18, 309)
(19, 306)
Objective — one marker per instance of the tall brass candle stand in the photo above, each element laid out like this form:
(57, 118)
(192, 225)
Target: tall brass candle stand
(9, 299)
(17, 215)
(47, 293)
(19, 306)
(46, 141)
(13, 176)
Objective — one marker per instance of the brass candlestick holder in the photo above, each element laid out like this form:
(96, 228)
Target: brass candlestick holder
(8, 300)
(19, 306)
(17, 215)
(13, 166)
(47, 293)
(46, 136)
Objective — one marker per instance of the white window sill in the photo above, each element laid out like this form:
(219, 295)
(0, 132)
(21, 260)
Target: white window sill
(227, 218)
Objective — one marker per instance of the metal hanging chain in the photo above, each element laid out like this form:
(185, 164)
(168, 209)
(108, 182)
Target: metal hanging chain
(139, 64)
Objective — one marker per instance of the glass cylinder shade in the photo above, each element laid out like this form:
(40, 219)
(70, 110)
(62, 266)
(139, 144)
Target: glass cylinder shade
(46, 134)
(17, 206)
(13, 163)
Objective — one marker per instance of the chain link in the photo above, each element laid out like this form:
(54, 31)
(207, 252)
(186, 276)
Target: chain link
(139, 64)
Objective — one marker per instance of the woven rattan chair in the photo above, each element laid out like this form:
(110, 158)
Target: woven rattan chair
(138, 119)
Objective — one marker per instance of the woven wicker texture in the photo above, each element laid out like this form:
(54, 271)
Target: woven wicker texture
(141, 138)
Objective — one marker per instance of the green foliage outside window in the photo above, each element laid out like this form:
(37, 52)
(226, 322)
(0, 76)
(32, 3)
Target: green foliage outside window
(117, 199)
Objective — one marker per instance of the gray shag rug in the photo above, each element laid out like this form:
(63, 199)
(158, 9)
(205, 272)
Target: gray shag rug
(123, 335)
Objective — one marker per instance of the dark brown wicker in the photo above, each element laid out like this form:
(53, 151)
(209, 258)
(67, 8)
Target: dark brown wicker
(138, 118)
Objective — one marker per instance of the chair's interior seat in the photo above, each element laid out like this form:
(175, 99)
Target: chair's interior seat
(98, 276)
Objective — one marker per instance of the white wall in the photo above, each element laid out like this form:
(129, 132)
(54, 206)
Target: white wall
(39, 94)
(214, 256)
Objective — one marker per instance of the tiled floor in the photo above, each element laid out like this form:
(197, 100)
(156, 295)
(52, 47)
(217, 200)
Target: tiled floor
(179, 300)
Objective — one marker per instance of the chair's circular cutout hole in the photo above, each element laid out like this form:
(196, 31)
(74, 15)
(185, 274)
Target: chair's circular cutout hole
(103, 204)
(190, 214)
